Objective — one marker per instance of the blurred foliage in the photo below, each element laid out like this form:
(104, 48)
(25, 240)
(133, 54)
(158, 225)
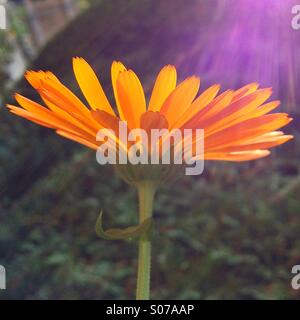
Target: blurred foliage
(5, 50)
(232, 233)
(18, 20)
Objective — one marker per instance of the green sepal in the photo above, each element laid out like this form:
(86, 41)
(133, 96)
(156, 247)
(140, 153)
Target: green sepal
(128, 234)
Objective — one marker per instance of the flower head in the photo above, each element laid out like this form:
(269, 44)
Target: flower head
(237, 124)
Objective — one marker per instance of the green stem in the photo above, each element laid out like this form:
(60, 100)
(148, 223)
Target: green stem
(146, 191)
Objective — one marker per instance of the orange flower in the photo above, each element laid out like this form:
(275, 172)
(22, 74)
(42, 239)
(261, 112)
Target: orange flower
(237, 124)
(237, 127)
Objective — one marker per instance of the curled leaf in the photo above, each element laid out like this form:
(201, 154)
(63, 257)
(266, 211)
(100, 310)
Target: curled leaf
(128, 234)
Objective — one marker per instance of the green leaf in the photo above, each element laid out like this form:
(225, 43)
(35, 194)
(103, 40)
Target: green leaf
(127, 234)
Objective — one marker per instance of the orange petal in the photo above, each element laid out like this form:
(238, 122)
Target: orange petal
(165, 83)
(238, 156)
(64, 99)
(90, 85)
(35, 78)
(221, 102)
(268, 143)
(248, 129)
(180, 100)
(46, 117)
(76, 138)
(153, 120)
(106, 120)
(248, 89)
(46, 81)
(235, 112)
(27, 115)
(199, 104)
(57, 112)
(131, 97)
(116, 68)
(75, 105)
(111, 123)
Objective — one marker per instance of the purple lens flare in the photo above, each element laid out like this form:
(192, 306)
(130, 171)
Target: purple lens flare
(253, 41)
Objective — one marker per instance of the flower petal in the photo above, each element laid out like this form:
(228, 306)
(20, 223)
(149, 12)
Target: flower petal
(249, 88)
(236, 112)
(76, 138)
(116, 68)
(219, 103)
(246, 130)
(238, 156)
(90, 86)
(165, 83)
(180, 100)
(199, 104)
(260, 144)
(131, 98)
(35, 78)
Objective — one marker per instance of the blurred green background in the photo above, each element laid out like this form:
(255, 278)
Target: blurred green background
(232, 233)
